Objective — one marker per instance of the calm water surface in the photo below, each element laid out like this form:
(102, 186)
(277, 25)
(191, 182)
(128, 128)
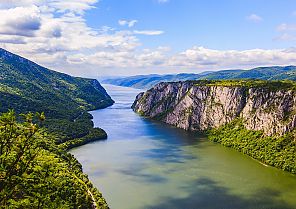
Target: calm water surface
(145, 164)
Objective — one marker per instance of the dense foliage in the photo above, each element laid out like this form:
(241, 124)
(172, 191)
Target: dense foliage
(279, 152)
(28, 87)
(35, 173)
(271, 85)
(75, 133)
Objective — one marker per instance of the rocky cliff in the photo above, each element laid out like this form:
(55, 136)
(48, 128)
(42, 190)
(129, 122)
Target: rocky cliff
(201, 105)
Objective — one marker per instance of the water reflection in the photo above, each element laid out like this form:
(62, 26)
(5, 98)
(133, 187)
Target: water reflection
(146, 164)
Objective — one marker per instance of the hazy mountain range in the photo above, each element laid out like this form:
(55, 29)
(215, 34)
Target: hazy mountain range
(263, 73)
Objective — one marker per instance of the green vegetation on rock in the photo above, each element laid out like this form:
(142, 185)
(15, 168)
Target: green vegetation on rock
(274, 151)
(236, 106)
(271, 85)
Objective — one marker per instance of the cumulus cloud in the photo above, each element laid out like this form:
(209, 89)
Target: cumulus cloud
(200, 56)
(194, 59)
(22, 21)
(254, 18)
(130, 23)
(6, 4)
(51, 31)
(54, 33)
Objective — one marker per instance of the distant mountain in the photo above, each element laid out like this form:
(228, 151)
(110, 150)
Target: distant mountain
(264, 73)
(147, 81)
(26, 86)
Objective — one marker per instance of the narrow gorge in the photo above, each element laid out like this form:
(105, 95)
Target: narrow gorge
(265, 110)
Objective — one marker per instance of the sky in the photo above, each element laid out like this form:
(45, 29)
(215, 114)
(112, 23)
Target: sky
(94, 38)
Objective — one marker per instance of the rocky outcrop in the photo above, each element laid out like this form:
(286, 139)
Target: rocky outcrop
(194, 107)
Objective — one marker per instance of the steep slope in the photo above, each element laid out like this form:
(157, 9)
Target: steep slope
(201, 105)
(26, 86)
(264, 73)
(260, 108)
(36, 170)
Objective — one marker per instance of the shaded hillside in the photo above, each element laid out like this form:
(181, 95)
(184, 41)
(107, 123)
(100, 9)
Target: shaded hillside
(36, 170)
(26, 86)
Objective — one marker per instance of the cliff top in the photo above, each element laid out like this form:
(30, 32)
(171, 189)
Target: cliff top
(272, 85)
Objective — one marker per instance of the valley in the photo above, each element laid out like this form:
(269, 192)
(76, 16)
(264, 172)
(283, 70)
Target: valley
(148, 164)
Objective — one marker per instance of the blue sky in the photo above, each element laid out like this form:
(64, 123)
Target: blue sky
(126, 37)
(219, 24)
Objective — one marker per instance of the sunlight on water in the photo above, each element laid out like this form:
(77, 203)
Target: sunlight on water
(146, 164)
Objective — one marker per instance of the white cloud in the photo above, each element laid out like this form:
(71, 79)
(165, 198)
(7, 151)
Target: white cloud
(200, 57)
(195, 59)
(6, 4)
(59, 38)
(56, 37)
(130, 23)
(22, 21)
(254, 18)
(77, 6)
(148, 32)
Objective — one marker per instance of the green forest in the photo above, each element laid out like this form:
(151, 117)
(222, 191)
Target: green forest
(36, 169)
(274, 151)
(35, 173)
(27, 87)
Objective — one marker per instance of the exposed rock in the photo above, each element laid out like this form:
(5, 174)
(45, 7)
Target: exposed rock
(200, 107)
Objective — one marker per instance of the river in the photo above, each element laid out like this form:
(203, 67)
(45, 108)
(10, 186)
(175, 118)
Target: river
(146, 164)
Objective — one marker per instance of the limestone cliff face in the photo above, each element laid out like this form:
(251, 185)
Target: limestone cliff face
(200, 107)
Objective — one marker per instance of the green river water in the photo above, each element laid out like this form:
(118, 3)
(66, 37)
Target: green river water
(146, 164)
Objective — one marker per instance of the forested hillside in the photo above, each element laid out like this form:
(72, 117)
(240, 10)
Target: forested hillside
(28, 87)
(36, 173)
(36, 170)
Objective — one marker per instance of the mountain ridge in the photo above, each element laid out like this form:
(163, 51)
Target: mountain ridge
(19, 77)
(264, 73)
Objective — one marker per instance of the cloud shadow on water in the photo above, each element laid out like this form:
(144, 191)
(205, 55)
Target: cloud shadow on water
(207, 194)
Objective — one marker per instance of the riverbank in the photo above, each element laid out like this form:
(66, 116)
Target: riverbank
(259, 121)
(274, 151)
(148, 164)
(36, 172)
